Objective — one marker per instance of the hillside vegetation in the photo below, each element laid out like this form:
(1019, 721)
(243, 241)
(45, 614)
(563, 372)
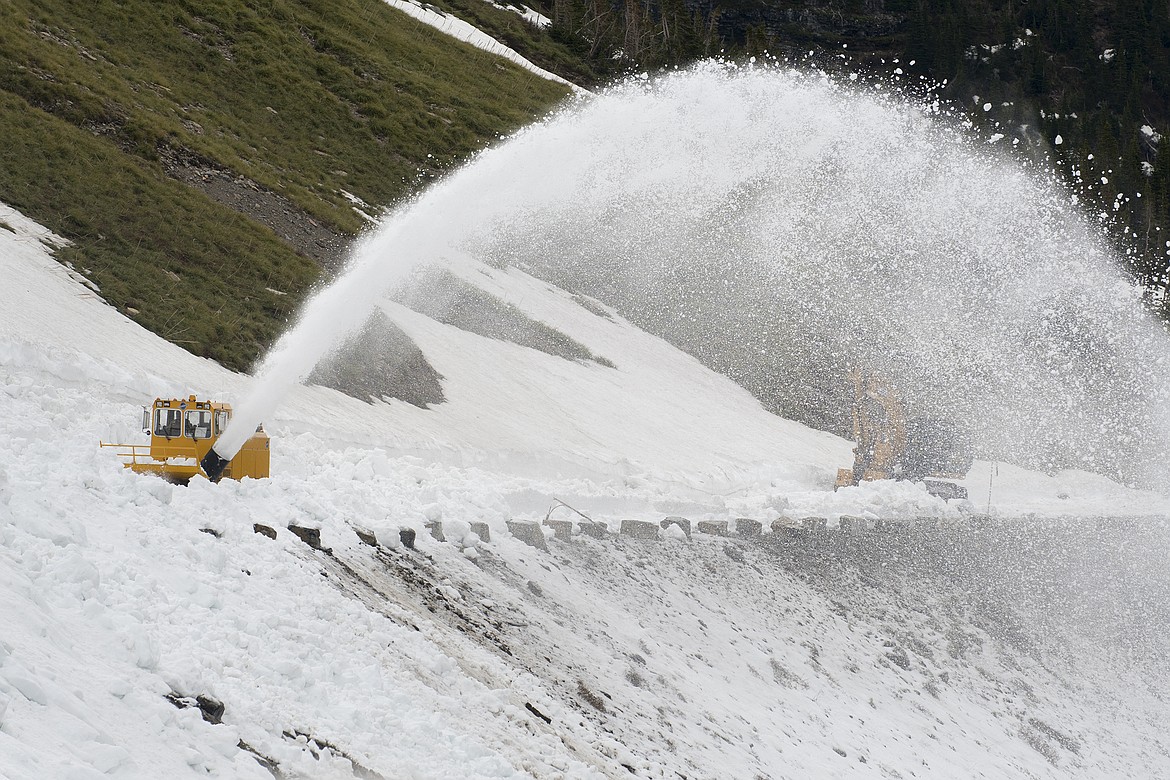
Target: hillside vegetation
(106, 106)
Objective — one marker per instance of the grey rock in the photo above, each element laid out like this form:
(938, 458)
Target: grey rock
(528, 532)
(746, 527)
(639, 529)
(713, 527)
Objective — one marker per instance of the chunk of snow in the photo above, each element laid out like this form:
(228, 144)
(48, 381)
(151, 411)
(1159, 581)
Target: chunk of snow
(27, 687)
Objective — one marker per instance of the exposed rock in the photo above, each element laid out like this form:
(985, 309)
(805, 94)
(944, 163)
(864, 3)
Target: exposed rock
(713, 527)
(639, 529)
(785, 527)
(212, 709)
(266, 530)
(595, 530)
(746, 527)
(406, 536)
(528, 532)
(289, 222)
(482, 530)
(681, 522)
(310, 536)
(445, 297)
(528, 706)
(562, 528)
(380, 361)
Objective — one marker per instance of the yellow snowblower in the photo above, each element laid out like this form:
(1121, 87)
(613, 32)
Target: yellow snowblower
(892, 446)
(182, 433)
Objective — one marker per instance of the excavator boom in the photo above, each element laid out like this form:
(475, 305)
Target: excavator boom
(890, 445)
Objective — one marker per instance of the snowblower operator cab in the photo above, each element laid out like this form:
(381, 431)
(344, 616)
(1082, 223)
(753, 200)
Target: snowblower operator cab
(174, 423)
(182, 432)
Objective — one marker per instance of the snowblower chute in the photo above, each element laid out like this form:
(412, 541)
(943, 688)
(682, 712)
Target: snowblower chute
(182, 434)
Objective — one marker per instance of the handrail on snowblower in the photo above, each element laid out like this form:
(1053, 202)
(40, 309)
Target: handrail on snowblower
(132, 451)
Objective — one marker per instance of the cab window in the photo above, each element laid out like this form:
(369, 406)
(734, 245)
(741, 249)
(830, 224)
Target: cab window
(198, 425)
(168, 423)
(221, 421)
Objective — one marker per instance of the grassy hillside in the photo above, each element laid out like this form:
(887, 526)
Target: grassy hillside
(184, 266)
(103, 103)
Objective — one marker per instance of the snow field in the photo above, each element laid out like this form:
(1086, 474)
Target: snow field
(112, 595)
(124, 571)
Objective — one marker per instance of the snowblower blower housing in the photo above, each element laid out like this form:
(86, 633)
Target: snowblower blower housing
(182, 433)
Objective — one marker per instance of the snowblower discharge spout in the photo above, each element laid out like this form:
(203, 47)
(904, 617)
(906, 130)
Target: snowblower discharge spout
(213, 465)
(183, 434)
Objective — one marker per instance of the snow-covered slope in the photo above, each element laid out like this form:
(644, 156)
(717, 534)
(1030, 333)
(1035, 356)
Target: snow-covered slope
(704, 658)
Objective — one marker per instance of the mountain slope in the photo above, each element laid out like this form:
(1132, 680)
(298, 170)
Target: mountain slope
(206, 160)
(974, 653)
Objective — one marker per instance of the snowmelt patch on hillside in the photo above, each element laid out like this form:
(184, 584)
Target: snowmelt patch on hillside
(469, 33)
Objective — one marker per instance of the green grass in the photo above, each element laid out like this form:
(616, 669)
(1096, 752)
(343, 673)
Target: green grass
(194, 271)
(304, 97)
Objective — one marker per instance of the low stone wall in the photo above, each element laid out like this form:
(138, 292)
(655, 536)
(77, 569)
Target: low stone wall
(528, 532)
(639, 529)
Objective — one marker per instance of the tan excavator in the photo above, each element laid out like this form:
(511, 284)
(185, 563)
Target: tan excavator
(892, 446)
(182, 433)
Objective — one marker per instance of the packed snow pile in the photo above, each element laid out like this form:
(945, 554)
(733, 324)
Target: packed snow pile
(150, 630)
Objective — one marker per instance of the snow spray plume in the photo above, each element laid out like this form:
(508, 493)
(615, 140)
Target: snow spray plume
(783, 228)
(379, 261)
